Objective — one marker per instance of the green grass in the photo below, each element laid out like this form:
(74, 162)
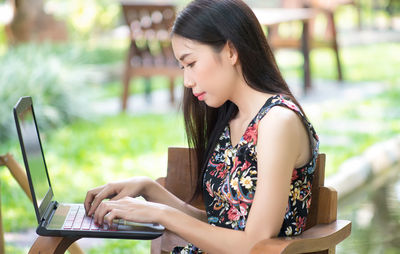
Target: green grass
(356, 125)
(97, 151)
(86, 154)
(376, 62)
(122, 247)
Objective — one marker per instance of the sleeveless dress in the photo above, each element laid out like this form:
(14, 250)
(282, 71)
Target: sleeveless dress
(230, 179)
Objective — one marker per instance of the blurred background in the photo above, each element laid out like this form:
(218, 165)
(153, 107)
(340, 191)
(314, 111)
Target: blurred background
(107, 99)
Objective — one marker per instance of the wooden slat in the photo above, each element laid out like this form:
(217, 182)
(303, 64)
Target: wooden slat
(17, 172)
(54, 245)
(147, 62)
(42, 244)
(318, 181)
(318, 238)
(327, 205)
(181, 175)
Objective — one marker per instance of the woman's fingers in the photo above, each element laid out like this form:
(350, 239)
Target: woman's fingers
(106, 192)
(115, 213)
(90, 195)
(104, 208)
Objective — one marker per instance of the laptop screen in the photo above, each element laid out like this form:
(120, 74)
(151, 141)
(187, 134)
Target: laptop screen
(33, 155)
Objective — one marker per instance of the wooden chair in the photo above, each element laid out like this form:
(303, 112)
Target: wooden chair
(150, 51)
(20, 176)
(327, 39)
(323, 231)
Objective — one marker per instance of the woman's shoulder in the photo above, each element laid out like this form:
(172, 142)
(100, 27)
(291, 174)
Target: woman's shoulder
(281, 116)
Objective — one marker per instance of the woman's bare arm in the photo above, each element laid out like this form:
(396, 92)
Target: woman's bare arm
(277, 152)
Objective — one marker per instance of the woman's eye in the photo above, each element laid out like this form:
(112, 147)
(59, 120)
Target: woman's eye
(187, 66)
(191, 64)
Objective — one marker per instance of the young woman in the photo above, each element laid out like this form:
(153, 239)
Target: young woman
(255, 148)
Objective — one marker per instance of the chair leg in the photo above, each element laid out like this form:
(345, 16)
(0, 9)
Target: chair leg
(17, 172)
(55, 245)
(171, 90)
(126, 79)
(335, 46)
(306, 55)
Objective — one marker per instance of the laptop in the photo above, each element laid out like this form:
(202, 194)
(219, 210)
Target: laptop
(56, 218)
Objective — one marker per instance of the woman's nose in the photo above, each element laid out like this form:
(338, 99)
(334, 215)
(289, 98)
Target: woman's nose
(189, 83)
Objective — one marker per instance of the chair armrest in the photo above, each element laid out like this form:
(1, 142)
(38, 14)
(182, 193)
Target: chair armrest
(55, 245)
(320, 237)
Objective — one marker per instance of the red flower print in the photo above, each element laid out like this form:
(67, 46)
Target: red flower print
(308, 204)
(294, 175)
(251, 134)
(222, 174)
(243, 209)
(236, 163)
(233, 214)
(220, 166)
(290, 105)
(245, 166)
(300, 222)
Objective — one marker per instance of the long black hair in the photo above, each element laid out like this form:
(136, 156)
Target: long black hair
(214, 23)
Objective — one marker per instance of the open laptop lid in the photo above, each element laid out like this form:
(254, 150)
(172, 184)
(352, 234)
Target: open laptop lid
(32, 152)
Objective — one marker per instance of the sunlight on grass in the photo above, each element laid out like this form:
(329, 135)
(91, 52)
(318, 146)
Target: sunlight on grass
(356, 125)
(122, 247)
(85, 154)
(359, 63)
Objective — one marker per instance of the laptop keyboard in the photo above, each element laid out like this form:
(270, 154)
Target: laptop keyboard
(77, 220)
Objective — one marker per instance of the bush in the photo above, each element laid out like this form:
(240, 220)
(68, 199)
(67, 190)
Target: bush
(59, 90)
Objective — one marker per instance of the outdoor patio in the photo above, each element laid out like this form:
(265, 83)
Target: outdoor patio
(357, 119)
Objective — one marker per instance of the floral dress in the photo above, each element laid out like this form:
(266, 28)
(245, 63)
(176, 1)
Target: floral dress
(231, 177)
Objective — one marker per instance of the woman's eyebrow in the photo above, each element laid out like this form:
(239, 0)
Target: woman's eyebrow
(183, 56)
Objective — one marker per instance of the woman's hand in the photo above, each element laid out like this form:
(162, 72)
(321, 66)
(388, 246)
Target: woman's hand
(132, 187)
(127, 208)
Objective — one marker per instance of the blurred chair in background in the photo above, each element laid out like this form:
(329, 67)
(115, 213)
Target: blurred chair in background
(150, 51)
(328, 38)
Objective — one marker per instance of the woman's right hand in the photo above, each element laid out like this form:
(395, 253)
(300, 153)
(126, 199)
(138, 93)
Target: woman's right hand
(132, 187)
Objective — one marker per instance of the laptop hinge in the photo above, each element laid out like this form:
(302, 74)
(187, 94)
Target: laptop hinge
(50, 209)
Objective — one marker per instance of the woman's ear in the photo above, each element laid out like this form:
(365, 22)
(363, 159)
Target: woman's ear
(232, 53)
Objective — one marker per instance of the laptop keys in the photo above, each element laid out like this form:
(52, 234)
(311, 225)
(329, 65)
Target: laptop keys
(77, 220)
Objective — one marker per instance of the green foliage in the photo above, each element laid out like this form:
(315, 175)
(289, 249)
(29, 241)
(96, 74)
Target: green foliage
(378, 62)
(15, 250)
(59, 90)
(87, 17)
(87, 154)
(122, 247)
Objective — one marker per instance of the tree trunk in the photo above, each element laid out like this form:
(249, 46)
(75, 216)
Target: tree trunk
(31, 23)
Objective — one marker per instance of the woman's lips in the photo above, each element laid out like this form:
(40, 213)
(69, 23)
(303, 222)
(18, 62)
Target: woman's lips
(200, 96)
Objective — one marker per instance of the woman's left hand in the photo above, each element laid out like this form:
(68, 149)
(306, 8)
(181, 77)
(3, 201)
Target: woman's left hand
(127, 208)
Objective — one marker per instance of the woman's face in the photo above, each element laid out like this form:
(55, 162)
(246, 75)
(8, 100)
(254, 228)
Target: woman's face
(209, 74)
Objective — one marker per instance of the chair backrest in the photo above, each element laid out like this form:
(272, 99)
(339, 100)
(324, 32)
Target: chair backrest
(181, 175)
(181, 178)
(149, 25)
(317, 213)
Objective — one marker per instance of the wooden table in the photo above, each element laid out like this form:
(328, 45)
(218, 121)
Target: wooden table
(275, 16)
